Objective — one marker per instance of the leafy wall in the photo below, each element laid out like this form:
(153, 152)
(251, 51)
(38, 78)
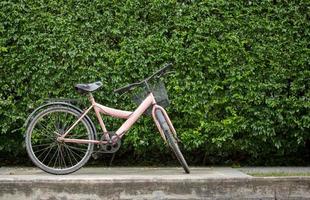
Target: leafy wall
(239, 94)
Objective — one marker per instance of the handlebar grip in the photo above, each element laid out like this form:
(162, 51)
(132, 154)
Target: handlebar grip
(168, 65)
(161, 71)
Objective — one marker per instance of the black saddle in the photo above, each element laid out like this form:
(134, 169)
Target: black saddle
(88, 87)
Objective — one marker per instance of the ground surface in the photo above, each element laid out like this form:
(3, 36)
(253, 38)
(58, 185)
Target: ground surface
(151, 172)
(153, 183)
(126, 173)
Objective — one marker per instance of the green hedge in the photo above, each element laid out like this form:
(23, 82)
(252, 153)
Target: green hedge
(239, 94)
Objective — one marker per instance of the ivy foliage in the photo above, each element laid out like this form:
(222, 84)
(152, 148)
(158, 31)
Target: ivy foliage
(240, 88)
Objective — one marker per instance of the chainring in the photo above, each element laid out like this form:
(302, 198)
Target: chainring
(109, 147)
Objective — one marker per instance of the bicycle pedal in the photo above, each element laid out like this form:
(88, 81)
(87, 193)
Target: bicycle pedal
(95, 155)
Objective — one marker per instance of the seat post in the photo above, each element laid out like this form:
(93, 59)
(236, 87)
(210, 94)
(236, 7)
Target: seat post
(91, 98)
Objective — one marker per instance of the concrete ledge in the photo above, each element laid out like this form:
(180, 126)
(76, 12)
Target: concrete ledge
(160, 184)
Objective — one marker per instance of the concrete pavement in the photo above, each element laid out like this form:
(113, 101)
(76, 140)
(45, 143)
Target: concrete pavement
(149, 183)
(124, 173)
(268, 170)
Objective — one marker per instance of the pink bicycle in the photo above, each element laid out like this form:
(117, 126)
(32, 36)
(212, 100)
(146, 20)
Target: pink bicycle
(60, 137)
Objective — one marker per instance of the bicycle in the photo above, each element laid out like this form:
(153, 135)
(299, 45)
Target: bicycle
(60, 137)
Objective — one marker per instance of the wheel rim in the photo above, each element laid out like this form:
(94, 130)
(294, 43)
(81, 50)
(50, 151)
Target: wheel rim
(53, 154)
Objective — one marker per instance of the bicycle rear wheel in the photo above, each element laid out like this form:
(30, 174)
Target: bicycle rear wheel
(172, 140)
(57, 157)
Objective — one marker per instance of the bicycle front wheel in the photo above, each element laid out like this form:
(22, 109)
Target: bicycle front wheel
(172, 140)
(58, 157)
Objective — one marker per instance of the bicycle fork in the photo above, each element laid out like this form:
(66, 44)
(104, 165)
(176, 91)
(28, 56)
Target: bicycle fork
(159, 121)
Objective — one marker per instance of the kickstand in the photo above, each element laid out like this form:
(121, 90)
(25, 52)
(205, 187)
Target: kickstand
(113, 156)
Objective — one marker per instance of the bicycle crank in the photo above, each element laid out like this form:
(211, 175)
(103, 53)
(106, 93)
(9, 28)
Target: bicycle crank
(110, 147)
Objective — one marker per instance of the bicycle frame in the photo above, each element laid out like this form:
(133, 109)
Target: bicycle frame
(131, 118)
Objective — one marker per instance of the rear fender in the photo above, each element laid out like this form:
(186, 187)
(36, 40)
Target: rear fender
(33, 114)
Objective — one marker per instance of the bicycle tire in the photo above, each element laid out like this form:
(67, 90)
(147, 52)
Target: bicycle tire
(77, 154)
(171, 140)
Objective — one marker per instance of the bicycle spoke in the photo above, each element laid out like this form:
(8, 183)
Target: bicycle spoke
(44, 150)
(78, 153)
(77, 148)
(65, 125)
(57, 123)
(77, 136)
(70, 122)
(47, 154)
(57, 157)
(46, 133)
(70, 147)
(40, 145)
(67, 152)
(71, 153)
(62, 156)
(48, 164)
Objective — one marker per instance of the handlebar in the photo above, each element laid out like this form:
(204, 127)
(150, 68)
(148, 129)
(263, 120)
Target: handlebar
(158, 73)
(126, 88)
